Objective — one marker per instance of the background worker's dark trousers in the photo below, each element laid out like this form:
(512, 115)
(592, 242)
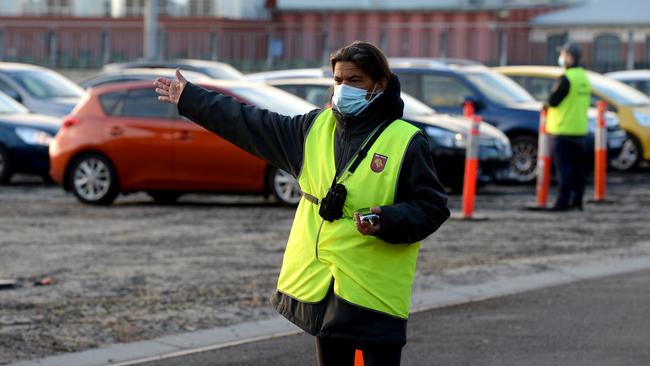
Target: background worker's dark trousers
(569, 159)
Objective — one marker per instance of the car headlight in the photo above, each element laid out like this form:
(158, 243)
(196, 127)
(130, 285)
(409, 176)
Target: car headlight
(446, 138)
(642, 118)
(33, 136)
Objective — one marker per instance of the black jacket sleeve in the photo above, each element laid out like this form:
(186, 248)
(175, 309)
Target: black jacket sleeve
(273, 137)
(559, 92)
(420, 201)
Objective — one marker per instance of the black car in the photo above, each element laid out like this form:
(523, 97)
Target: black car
(447, 134)
(446, 84)
(24, 140)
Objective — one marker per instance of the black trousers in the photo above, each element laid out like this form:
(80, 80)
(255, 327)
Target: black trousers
(569, 159)
(340, 352)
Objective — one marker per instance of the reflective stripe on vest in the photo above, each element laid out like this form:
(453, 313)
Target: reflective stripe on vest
(570, 117)
(366, 270)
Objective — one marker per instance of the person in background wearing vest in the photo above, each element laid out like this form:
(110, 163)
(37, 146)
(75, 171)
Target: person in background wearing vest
(567, 124)
(345, 280)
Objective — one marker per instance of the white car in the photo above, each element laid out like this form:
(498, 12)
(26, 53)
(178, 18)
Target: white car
(639, 79)
(39, 89)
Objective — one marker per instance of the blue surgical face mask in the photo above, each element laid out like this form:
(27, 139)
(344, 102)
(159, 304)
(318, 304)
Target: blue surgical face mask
(560, 61)
(350, 100)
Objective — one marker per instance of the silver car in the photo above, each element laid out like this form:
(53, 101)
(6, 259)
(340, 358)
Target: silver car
(41, 90)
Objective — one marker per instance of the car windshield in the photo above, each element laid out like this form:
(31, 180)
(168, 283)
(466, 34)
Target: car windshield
(498, 88)
(274, 100)
(617, 91)
(413, 107)
(8, 105)
(45, 84)
(224, 72)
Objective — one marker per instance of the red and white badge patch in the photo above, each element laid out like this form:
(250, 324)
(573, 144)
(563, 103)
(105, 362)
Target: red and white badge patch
(378, 163)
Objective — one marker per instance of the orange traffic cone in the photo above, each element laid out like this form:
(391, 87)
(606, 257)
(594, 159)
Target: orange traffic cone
(358, 358)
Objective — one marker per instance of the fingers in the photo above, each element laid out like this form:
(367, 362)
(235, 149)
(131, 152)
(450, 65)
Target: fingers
(180, 76)
(162, 91)
(166, 99)
(162, 82)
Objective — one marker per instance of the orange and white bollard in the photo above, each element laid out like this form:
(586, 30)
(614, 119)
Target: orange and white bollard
(600, 151)
(468, 109)
(543, 162)
(471, 168)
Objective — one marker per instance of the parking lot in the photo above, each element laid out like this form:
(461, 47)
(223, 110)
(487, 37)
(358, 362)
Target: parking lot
(137, 270)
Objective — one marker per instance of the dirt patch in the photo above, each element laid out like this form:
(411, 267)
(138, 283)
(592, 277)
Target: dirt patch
(138, 270)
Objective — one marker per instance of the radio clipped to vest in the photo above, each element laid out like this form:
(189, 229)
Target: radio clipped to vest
(331, 206)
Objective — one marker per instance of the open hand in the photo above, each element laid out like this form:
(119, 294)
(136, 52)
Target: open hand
(364, 227)
(169, 91)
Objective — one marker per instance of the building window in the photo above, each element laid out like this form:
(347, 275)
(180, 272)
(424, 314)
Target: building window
(553, 43)
(647, 50)
(607, 52)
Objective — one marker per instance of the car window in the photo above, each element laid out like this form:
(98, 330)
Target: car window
(443, 91)
(144, 103)
(540, 88)
(498, 88)
(409, 84)
(644, 86)
(8, 105)
(109, 101)
(318, 95)
(616, 91)
(45, 84)
(6, 88)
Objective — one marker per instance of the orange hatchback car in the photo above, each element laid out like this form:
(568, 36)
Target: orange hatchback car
(121, 139)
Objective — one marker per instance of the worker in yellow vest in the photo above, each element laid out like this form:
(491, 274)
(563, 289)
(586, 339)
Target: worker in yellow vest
(567, 124)
(370, 195)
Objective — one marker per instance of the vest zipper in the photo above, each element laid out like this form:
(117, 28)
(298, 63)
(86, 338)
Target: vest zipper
(318, 236)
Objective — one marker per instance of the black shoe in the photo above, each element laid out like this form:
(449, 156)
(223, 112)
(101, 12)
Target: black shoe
(577, 207)
(559, 208)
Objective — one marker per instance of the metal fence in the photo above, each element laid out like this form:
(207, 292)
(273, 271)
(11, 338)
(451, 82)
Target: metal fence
(260, 45)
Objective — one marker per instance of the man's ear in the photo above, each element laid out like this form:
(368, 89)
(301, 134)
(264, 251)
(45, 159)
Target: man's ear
(382, 84)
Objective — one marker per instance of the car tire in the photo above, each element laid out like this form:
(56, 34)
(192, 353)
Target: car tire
(284, 187)
(5, 167)
(165, 198)
(629, 157)
(93, 180)
(524, 158)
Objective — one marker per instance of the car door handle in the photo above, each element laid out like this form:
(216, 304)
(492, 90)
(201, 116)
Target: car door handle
(183, 135)
(116, 131)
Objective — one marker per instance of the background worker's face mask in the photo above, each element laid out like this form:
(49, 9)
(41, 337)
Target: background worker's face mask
(350, 100)
(560, 61)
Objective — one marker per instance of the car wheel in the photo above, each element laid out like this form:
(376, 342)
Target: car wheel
(629, 156)
(164, 198)
(93, 180)
(284, 187)
(524, 158)
(5, 167)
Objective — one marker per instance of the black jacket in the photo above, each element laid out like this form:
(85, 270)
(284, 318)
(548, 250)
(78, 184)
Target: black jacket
(560, 90)
(420, 203)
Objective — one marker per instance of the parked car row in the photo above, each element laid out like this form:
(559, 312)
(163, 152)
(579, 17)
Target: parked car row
(120, 139)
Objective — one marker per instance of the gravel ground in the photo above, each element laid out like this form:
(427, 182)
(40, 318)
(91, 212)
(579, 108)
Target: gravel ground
(138, 270)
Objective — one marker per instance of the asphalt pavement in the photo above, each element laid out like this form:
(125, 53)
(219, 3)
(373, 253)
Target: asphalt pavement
(597, 322)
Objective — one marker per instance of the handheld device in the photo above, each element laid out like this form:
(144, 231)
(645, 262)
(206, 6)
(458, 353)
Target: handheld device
(370, 218)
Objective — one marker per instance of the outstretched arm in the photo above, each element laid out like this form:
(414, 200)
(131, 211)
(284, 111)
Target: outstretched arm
(273, 137)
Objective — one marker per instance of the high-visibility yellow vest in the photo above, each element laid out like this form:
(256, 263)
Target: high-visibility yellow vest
(570, 116)
(366, 270)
